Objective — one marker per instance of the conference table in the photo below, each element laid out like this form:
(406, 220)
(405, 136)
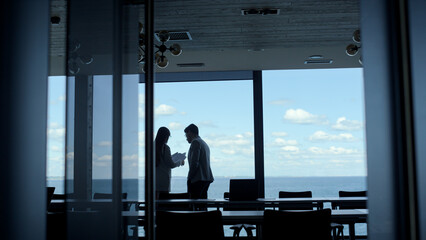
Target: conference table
(263, 203)
(347, 216)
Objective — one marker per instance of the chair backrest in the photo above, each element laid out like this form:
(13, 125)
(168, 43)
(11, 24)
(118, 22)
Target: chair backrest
(352, 204)
(243, 190)
(352, 193)
(296, 206)
(300, 225)
(189, 225)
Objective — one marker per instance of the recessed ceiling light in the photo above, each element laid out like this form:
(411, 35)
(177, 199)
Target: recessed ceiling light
(316, 57)
(190, 64)
(319, 61)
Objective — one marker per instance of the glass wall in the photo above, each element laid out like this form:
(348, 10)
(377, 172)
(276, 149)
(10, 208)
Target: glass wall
(223, 112)
(55, 164)
(314, 131)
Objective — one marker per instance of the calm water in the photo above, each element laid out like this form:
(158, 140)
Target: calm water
(320, 187)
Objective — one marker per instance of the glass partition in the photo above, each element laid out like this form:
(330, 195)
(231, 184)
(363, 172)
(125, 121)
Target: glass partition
(223, 112)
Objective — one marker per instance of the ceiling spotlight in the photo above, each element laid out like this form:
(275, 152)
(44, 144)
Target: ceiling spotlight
(356, 36)
(162, 62)
(164, 36)
(352, 50)
(175, 49)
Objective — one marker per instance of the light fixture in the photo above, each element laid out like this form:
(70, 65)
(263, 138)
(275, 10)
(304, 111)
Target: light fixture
(74, 58)
(352, 49)
(318, 59)
(260, 11)
(160, 59)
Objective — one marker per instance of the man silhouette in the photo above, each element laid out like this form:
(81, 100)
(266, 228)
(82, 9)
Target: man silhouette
(200, 174)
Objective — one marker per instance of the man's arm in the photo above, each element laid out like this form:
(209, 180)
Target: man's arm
(195, 150)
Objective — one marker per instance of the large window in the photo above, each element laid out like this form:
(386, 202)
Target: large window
(223, 112)
(314, 131)
(55, 164)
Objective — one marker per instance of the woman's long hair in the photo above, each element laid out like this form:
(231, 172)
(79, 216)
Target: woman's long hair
(160, 140)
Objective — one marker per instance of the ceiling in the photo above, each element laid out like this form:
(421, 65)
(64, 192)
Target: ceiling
(223, 39)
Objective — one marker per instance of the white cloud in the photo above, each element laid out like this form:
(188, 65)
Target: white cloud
(141, 108)
(130, 157)
(105, 143)
(164, 109)
(229, 151)
(207, 124)
(56, 132)
(301, 116)
(323, 136)
(141, 139)
(332, 150)
(175, 125)
(292, 149)
(345, 124)
(62, 98)
(281, 142)
(281, 102)
(279, 134)
(238, 144)
(104, 158)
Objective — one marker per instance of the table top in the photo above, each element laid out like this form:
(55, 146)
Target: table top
(347, 215)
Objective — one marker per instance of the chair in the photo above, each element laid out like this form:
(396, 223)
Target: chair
(242, 190)
(351, 205)
(296, 206)
(238, 227)
(206, 225)
(300, 225)
(336, 228)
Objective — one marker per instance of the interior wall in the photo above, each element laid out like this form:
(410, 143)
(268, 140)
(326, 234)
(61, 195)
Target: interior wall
(23, 99)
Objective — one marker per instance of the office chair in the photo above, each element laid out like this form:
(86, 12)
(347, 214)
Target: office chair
(242, 190)
(300, 225)
(238, 227)
(206, 225)
(351, 205)
(337, 229)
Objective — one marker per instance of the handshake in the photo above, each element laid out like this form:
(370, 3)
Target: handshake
(179, 157)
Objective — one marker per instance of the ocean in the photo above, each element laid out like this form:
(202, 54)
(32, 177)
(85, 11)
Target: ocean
(320, 187)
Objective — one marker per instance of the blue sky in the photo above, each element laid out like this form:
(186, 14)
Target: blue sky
(313, 123)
